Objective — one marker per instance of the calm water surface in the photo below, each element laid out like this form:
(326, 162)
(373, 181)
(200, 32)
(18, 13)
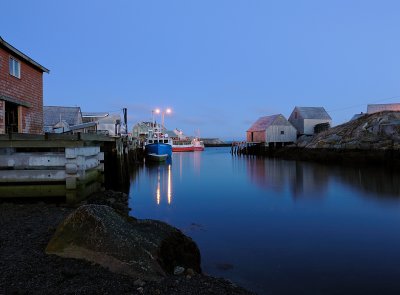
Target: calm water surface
(280, 227)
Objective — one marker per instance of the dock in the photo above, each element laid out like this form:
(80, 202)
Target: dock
(72, 166)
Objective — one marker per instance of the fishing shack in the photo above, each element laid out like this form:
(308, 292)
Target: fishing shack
(273, 130)
(310, 120)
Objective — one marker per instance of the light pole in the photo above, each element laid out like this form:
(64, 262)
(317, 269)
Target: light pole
(157, 111)
(167, 111)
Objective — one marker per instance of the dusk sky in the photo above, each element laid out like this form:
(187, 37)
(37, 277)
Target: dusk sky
(218, 64)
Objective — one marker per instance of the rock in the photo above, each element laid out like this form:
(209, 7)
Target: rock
(116, 200)
(179, 270)
(111, 200)
(145, 249)
(190, 272)
(139, 283)
(372, 131)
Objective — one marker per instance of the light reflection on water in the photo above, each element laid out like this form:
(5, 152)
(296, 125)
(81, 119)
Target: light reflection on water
(280, 227)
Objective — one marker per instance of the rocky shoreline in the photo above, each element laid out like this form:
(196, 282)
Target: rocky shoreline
(26, 229)
(372, 139)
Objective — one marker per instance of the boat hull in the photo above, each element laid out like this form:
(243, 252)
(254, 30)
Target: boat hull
(198, 145)
(182, 148)
(185, 146)
(157, 158)
(158, 149)
(198, 148)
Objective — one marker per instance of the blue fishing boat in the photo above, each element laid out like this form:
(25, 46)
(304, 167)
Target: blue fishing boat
(158, 145)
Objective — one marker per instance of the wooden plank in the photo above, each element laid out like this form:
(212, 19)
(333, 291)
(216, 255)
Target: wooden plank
(28, 191)
(40, 144)
(21, 136)
(32, 160)
(75, 152)
(96, 137)
(9, 176)
(57, 136)
(90, 176)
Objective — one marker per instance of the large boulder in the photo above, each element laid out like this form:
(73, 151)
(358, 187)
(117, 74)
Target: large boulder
(378, 131)
(145, 249)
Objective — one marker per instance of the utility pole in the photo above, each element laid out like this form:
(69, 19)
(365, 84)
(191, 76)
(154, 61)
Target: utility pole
(125, 112)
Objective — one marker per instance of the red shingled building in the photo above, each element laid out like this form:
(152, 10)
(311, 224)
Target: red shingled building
(21, 92)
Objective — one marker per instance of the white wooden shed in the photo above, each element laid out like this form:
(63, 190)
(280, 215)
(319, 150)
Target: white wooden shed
(275, 129)
(304, 119)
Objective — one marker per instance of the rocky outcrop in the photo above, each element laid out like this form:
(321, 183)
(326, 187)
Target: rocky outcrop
(378, 131)
(212, 142)
(145, 249)
(372, 139)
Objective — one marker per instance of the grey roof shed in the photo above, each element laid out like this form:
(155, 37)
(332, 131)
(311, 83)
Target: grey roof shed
(313, 113)
(54, 114)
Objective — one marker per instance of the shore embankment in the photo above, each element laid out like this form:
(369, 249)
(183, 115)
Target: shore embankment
(372, 139)
(27, 227)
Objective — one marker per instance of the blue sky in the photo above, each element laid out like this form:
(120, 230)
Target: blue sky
(218, 64)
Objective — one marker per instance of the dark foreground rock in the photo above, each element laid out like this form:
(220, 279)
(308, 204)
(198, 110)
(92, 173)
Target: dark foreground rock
(25, 268)
(145, 249)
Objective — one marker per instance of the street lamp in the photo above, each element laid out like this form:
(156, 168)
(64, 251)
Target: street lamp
(157, 111)
(167, 111)
(162, 112)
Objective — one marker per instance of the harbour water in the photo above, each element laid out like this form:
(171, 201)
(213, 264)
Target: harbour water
(280, 227)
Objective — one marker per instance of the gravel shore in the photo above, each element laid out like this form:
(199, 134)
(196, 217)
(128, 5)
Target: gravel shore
(26, 228)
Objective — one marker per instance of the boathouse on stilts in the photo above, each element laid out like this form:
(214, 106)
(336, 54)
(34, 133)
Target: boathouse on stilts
(267, 132)
(273, 131)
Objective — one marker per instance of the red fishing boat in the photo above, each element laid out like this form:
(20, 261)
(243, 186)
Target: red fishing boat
(187, 145)
(198, 145)
(182, 146)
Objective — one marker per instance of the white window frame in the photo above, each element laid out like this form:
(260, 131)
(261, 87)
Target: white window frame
(15, 67)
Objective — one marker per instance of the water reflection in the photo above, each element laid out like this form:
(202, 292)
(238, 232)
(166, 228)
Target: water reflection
(264, 222)
(372, 181)
(302, 179)
(306, 179)
(163, 183)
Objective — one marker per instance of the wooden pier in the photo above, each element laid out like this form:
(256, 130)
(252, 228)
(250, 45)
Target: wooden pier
(60, 165)
(255, 148)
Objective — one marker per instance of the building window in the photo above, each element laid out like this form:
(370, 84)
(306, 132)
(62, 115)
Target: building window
(295, 115)
(282, 132)
(15, 68)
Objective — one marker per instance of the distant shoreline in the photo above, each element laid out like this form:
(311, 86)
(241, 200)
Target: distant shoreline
(217, 144)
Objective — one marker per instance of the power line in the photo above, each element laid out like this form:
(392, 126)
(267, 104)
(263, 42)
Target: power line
(358, 105)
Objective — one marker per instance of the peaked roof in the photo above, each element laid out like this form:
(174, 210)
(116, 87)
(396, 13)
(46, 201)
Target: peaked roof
(94, 114)
(313, 113)
(263, 123)
(22, 56)
(53, 114)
